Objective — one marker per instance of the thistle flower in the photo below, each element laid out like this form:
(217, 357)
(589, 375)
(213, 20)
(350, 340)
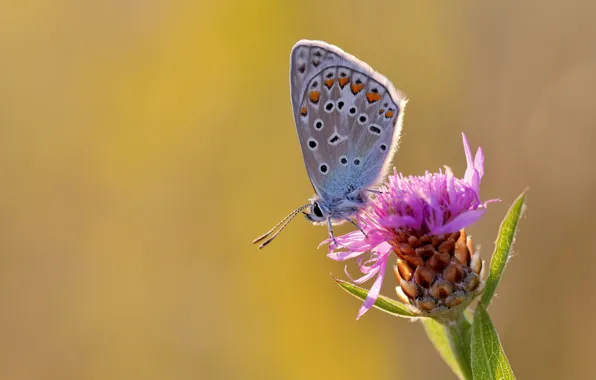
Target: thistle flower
(421, 219)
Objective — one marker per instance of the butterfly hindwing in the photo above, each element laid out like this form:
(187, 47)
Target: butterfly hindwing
(348, 118)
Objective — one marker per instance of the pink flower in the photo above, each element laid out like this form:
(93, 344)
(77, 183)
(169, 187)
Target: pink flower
(434, 204)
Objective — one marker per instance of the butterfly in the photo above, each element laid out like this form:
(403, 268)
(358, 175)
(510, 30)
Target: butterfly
(348, 118)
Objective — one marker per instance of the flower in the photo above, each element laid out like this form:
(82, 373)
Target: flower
(421, 219)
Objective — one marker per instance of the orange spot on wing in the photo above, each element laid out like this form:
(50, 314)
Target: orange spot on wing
(303, 111)
(381, 111)
(356, 88)
(389, 114)
(314, 96)
(372, 97)
(343, 81)
(329, 83)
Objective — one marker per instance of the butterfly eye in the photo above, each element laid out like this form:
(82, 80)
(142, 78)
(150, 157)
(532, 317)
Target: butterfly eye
(317, 210)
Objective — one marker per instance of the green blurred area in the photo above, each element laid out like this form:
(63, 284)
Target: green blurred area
(144, 144)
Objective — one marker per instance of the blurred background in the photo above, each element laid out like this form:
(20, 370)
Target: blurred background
(144, 144)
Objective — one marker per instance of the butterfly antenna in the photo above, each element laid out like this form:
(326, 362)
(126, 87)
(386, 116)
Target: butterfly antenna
(283, 223)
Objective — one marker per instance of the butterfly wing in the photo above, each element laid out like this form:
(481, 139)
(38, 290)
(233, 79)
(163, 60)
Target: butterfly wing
(348, 118)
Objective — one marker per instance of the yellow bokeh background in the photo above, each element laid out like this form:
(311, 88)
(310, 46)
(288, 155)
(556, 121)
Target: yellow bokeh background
(144, 144)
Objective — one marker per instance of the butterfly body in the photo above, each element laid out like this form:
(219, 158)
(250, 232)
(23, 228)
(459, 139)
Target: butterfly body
(336, 209)
(348, 119)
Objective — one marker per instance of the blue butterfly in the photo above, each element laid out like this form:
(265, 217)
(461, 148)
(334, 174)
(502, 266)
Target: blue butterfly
(348, 119)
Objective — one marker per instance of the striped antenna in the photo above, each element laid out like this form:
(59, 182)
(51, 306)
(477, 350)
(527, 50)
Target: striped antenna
(283, 223)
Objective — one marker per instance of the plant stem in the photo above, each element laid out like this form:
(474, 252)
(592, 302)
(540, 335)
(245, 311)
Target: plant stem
(459, 331)
(451, 337)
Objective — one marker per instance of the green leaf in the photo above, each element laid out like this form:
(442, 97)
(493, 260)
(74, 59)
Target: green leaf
(388, 305)
(453, 343)
(488, 359)
(503, 247)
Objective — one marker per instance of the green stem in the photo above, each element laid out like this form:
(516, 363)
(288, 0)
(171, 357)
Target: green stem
(460, 332)
(451, 337)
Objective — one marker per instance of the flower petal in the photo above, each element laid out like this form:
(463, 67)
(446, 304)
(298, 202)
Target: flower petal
(354, 240)
(344, 255)
(470, 168)
(366, 277)
(479, 162)
(450, 183)
(475, 168)
(399, 221)
(474, 181)
(374, 291)
(462, 220)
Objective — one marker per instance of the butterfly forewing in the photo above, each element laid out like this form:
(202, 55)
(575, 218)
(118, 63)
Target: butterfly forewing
(348, 118)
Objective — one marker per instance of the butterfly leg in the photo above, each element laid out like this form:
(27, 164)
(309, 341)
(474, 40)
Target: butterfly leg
(330, 229)
(354, 224)
(375, 191)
